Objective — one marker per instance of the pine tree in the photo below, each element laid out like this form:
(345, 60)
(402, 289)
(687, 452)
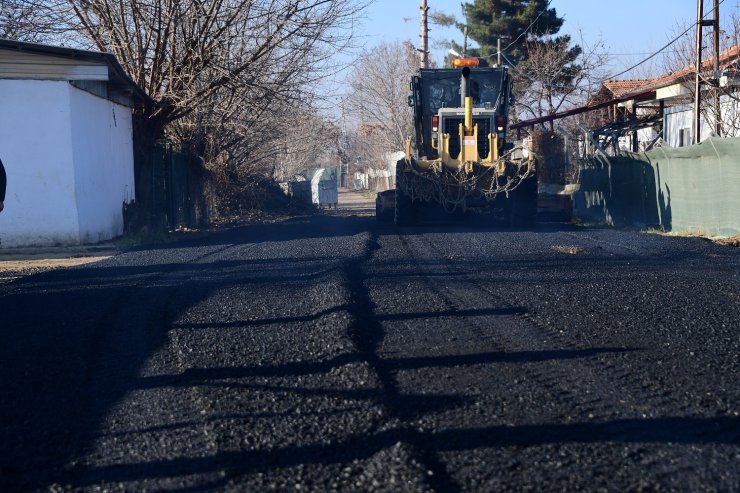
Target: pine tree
(549, 71)
(513, 21)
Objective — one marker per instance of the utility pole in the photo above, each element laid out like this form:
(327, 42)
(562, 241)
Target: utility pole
(697, 79)
(465, 41)
(717, 109)
(424, 35)
(700, 24)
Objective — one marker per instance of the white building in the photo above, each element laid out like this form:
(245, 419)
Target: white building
(679, 122)
(67, 144)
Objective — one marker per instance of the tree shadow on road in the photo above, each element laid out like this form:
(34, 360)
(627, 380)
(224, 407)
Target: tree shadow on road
(668, 430)
(73, 343)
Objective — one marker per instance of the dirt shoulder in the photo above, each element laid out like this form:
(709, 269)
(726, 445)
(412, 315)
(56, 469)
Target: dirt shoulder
(18, 262)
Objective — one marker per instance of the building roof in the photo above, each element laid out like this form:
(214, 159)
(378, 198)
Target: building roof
(727, 59)
(118, 83)
(640, 89)
(621, 87)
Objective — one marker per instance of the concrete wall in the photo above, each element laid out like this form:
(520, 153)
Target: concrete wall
(103, 164)
(36, 148)
(69, 168)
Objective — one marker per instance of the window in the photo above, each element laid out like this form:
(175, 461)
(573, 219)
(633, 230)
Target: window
(684, 137)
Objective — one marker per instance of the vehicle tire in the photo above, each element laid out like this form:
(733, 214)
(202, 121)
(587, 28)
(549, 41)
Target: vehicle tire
(404, 213)
(521, 207)
(383, 215)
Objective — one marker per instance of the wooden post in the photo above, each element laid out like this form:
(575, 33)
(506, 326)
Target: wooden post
(697, 78)
(424, 59)
(465, 41)
(634, 136)
(717, 109)
(662, 114)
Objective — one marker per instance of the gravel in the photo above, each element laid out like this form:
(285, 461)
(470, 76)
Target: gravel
(334, 353)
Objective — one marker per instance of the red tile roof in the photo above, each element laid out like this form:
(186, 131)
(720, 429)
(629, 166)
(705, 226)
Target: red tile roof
(620, 87)
(727, 59)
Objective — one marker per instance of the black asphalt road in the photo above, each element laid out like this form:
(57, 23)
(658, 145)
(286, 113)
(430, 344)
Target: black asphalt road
(336, 353)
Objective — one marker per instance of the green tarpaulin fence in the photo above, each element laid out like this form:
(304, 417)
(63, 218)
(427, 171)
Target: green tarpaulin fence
(688, 189)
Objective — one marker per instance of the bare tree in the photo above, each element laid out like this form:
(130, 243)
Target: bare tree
(311, 144)
(378, 102)
(680, 61)
(26, 20)
(190, 55)
(557, 75)
(235, 80)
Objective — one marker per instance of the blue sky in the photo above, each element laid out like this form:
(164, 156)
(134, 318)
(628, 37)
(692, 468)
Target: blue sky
(630, 28)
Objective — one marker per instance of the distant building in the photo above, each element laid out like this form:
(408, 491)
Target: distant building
(663, 107)
(635, 115)
(67, 143)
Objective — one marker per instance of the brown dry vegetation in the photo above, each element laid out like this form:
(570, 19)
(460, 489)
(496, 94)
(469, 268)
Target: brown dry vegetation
(731, 241)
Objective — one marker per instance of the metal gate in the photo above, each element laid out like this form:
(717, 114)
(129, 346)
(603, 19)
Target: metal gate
(170, 197)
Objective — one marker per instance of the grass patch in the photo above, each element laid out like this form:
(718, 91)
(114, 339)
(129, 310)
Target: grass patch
(733, 241)
(568, 249)
(577, 221)
(144, 237)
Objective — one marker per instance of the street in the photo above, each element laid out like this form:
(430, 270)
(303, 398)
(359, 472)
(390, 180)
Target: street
(334, 352)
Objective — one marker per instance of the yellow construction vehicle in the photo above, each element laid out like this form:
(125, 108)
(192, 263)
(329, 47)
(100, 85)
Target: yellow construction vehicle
(460, 160)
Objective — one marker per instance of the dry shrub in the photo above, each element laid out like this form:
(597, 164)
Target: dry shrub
(733, 241)
(549, 148)
(233, 196)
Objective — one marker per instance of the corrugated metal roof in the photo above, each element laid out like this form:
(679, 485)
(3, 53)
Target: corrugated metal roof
(118, 79)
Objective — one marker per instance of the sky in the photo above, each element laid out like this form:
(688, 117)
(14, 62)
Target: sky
(630, 29)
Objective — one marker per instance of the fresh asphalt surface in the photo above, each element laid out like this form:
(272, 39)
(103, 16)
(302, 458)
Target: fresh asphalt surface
(333, 352)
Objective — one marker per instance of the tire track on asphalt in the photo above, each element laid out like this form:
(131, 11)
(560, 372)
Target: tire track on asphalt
(552, 383)
(367, 333)
(567, 379)
(109, 370)
(600, 391)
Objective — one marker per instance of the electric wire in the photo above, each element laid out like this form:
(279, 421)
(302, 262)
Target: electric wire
(529, 27)
(650, 57)
(611, 77)
(515, 69)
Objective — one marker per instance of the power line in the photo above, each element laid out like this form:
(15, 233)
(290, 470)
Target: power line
(515, 69)
(530, 26)
(660, 50)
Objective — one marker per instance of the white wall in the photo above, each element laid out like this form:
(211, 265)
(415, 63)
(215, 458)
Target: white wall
(682, 118)
(104, 164)
(35, 146)
(69, 164)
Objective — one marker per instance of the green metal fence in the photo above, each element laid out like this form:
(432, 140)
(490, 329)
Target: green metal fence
(688, 189)
(162, 190)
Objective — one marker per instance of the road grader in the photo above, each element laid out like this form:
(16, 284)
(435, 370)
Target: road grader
(460, 161)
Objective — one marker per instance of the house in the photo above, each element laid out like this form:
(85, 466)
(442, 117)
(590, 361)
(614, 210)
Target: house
(66, 139)
(634, 115)
(679, 88)
(665, 103)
